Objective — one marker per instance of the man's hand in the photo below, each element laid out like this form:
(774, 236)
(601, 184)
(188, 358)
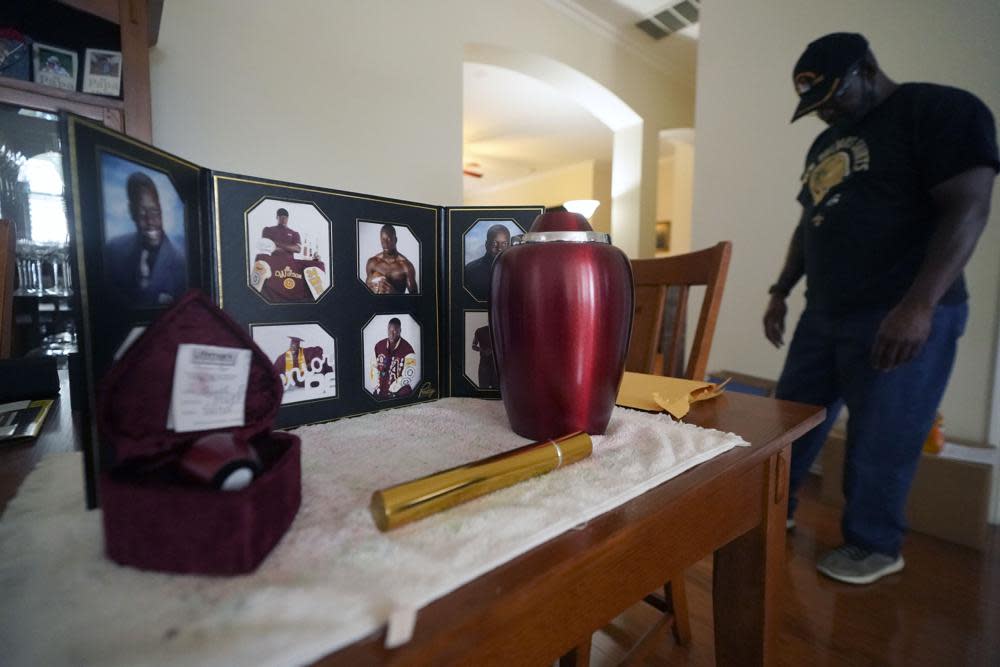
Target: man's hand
(774, 320)
(901, 335)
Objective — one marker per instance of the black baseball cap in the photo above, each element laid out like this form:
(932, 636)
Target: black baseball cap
(820, 69)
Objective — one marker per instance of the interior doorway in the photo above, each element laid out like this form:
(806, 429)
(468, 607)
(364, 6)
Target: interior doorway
(674, 192)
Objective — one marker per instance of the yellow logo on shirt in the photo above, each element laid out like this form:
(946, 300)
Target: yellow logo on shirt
(834, 165)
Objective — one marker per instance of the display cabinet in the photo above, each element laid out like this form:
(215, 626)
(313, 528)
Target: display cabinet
(31, 188)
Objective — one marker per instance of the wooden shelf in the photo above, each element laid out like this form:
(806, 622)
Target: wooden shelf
(59, 93)
(133, 113)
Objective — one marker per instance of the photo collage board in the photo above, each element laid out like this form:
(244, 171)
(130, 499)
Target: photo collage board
(361, 302)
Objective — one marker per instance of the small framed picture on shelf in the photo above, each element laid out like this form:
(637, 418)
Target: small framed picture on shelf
(54, 66)
(102, 72)
(15, 54)
(663, 237)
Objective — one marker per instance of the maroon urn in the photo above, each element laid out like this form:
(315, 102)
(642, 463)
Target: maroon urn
(560, 316)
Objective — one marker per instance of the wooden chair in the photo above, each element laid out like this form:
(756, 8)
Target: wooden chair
(653, 278)
(7, 263)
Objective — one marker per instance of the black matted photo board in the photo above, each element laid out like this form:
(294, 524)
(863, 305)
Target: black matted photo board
(476, 236)
(137, 244)
(362, 302)
(345, 268)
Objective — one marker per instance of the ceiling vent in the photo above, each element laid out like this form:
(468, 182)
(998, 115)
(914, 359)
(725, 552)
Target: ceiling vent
(673, 17)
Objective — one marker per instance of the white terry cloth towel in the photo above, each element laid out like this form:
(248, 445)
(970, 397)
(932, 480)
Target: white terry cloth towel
(333, 578)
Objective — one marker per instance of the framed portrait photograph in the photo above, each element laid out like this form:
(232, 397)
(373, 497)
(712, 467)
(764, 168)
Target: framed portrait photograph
(481, 245)
(304, 355)
(144, 251)
(392, 356)
(289, 251)
(388, 258)
(477, 235)
(479, 364)
(136, 239)
(102, 72)
(663, 237)
(54, 66)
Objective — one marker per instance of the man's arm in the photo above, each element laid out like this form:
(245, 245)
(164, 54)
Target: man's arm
(295, 246)
(411, 277)
(290, 248)
(371, 267)
(961, 208)
(794, 268)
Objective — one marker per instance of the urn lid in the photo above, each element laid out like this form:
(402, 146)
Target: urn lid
(560, 221)
(561, 226)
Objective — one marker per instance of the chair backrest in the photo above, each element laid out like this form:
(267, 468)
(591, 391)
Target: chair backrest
(652, 279)
(6, 286)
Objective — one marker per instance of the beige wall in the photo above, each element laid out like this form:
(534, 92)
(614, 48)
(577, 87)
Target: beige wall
(749, 157)
(674, 197)
(363, 95)
(665, 188)
(552, 188)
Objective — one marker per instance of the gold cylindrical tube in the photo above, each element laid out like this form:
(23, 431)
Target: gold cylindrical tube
(409, 501)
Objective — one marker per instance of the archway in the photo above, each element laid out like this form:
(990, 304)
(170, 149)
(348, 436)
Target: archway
(625, 124)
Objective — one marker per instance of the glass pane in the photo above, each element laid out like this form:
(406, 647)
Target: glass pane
(32, 196)
(30, 161)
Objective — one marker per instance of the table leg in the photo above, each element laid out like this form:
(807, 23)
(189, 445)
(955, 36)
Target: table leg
(746, 575)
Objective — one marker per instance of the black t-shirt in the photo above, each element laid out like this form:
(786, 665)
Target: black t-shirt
(867, 209)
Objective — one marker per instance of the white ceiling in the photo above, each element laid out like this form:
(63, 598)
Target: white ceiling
(515, 126)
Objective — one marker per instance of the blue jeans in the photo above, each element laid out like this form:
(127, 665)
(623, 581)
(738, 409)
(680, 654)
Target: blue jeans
(889, 413)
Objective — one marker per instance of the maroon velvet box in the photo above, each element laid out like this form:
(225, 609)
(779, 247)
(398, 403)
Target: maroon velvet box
(154, 517)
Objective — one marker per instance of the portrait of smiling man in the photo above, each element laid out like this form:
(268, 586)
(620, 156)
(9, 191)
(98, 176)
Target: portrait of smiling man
(144, 268)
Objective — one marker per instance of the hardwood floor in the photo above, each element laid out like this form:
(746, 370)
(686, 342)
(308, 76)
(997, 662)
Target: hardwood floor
(942, 609)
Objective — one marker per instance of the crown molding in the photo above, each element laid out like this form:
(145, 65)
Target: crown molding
(598, 25)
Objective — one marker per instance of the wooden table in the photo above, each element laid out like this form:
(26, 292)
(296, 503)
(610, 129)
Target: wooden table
(18, 458)
(541, 605)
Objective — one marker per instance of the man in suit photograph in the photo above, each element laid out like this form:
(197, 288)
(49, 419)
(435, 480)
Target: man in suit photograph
(479, 271)
(143, 268)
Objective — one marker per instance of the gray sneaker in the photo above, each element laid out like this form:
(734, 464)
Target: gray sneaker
(789, 524)
(856, 565)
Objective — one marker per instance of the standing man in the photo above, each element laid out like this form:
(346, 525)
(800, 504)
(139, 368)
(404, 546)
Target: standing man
(286, 240)
(479, 271)
(395, 367)
(482, 342)
(143, 269)
(390, 272)
(895, 194)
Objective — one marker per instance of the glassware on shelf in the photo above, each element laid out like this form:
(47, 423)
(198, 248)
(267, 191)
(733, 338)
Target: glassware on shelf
(57, 254)
(29, 264)
(36, 253)
(25, 275)
(62, 343)
(67, 275)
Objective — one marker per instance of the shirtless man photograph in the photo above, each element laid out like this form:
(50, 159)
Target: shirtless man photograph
(390, 272)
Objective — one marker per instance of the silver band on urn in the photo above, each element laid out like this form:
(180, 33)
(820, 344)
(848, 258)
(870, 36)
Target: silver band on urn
(569, 237)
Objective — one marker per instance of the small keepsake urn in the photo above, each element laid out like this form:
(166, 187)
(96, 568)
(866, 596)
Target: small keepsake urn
(560, 316)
